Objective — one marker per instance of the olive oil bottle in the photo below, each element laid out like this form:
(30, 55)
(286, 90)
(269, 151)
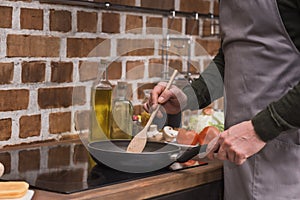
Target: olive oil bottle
(101, 103)
(122, 111)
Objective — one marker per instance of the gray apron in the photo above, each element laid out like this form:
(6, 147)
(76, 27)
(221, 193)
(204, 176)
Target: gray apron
(262, 65)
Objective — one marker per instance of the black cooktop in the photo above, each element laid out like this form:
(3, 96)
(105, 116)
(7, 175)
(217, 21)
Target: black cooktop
(66, 168)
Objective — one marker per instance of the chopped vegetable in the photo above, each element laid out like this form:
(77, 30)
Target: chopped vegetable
(207, 134)
(187, 137)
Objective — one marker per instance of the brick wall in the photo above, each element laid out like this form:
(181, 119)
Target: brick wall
(49, 53)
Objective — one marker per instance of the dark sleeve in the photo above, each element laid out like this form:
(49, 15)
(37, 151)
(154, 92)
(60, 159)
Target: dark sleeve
(283, 114)
(279, 116)
(202, 91)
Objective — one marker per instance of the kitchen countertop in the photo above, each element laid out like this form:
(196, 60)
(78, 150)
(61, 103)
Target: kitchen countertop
(147, 187)
(143, 188)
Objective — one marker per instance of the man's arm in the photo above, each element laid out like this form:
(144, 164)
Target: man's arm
(209, 86)
(279, 116)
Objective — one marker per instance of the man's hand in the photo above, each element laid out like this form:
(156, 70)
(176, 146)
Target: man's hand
(237, 143)
(173, 100)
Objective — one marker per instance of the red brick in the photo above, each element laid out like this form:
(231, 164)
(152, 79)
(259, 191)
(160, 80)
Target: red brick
(165, 4)
(154, 25)
(216, 8)
(175, 25)
(206, 28)
(135, 70)
(61, 72)
(59, 122)
(33, 72)
(176, 64)
(88, 47)
(192, 27)
(55, 97)
(209, 46)
(177, 47)
(79, 96)
(200, 47)
(142, 87)
(200, 6)
(88, 70)
(134, 24)
(194, 67)
(110, 23)
(114, 71)
(156, 67)
(31, 19)
(6, 17)
(135, 47)
(87, 21)
(59, 156)
(5, 129)
(60, 20)
(209, 28)
(30, 126)
(32, 46)
(11, 100)
(163, 48)
(120, 2)
(5, 158)
(29, 160)
(82, 120)
(6, 73)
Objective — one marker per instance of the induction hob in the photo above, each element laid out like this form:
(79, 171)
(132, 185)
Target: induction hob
(66, 167)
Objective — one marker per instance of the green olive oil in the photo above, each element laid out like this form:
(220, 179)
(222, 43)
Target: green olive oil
(102, 109)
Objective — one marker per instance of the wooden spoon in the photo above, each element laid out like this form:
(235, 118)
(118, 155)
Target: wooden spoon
(138, 143)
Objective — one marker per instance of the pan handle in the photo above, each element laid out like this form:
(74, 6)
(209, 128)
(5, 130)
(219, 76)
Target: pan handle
(189, 154)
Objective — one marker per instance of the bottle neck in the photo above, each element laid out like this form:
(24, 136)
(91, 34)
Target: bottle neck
(121, 93)
(121, 90)
(103, 81)
(104, 75)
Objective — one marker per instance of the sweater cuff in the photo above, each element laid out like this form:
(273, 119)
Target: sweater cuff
(265, 125)
(192, 102)
(197, 94)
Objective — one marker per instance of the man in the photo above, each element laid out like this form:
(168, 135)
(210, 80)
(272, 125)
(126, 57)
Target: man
(259, 61)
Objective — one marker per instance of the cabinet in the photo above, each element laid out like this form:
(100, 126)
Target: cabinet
(209, 191)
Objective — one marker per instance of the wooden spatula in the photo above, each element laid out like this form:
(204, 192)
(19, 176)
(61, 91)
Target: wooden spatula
(138, 143)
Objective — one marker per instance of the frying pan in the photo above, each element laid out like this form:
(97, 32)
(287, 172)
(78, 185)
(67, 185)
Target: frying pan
(155, 156)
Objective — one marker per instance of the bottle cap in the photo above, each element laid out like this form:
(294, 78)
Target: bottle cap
(153, 127)
(135, 118)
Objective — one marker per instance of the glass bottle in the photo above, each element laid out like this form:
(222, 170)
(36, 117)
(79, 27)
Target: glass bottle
(122, 111)
(101, 103)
